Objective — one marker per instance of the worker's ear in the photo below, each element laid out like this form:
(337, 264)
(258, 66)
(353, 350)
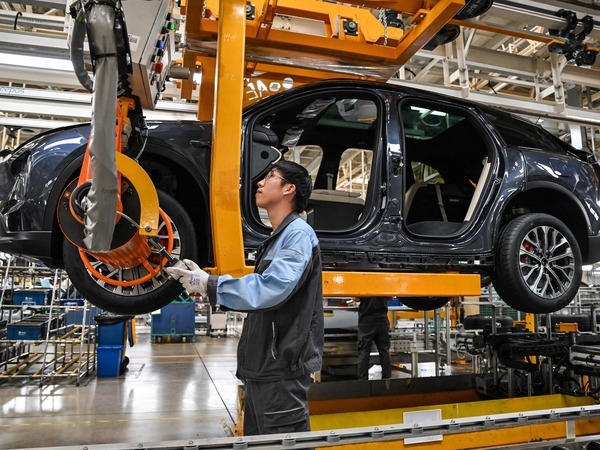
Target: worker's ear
(290, 189)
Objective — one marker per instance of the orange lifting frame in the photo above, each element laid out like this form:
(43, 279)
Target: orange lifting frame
(367, 48)
(228, 242)
(427, 18)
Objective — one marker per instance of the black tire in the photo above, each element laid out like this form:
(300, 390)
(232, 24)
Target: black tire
(424, 303)
(538, 264)
(582, 320)
(144, 298)
(480, 322)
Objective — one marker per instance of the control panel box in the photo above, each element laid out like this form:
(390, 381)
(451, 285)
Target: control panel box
(152, 43)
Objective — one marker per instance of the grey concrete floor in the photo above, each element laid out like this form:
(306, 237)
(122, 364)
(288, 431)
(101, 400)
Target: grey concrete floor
(171, 391)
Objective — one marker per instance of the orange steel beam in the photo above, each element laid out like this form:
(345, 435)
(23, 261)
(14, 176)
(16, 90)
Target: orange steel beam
(389, 284)
(367, 46)
(330, 14)
(228, 243)
(405, 6)
(338, 49)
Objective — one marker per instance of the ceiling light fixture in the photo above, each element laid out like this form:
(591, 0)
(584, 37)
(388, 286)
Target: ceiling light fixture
(37, 62)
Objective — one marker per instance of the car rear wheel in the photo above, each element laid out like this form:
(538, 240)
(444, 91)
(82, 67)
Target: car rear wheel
(141, 289)
(538, 264)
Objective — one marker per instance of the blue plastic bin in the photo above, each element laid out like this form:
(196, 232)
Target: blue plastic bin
(175, 319)
(72, 302)
(109, 360)
(31, 328)
(75, 316)
(31, 296)
(26, 331)
(111, 334)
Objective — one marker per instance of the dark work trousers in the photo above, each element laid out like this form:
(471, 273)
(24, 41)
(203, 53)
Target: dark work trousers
(276, 406)
(380, 334)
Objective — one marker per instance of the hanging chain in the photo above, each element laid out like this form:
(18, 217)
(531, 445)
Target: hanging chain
(383, 20)
(203, 9)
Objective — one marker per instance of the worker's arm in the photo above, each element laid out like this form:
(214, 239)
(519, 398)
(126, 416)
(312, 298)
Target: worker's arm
(272, 287)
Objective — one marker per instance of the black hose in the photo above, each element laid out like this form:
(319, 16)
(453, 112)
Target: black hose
(19, 14)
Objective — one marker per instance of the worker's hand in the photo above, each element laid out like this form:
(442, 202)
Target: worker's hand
(190, 275)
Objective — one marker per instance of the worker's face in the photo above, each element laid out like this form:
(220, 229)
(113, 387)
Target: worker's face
(272, 189)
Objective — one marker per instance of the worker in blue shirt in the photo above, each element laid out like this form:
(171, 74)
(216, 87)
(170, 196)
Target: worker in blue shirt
(282, 338)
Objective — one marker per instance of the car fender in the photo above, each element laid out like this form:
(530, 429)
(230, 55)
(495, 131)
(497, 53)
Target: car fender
(64, 177)
(193, 171)
(566, 192)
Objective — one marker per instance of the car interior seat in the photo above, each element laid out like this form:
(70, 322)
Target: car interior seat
(441, 202)
(334, 209)
(442, 208)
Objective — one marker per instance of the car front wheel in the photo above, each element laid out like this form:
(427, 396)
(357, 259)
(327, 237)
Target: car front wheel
(538, 264)
(146, 287)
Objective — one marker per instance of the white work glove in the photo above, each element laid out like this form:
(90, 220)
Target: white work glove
(190, 275)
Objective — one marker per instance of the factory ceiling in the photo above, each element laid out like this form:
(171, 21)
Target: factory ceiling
(500, 57)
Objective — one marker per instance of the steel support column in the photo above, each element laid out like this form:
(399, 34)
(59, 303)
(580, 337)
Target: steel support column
(225, 165)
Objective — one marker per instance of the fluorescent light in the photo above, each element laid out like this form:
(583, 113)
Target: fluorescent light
(36, 62)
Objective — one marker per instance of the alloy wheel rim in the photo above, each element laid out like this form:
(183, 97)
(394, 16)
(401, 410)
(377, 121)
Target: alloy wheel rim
(143, 278)
(546, 262)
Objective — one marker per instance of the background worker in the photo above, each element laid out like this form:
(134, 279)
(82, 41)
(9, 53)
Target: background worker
(373, 326)
(282, 338)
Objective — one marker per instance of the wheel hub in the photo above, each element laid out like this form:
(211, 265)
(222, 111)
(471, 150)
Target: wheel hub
(128, 248)
(547, 263)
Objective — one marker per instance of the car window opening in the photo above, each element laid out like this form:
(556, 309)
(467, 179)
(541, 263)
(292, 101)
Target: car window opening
(333, 137)
(448, 165)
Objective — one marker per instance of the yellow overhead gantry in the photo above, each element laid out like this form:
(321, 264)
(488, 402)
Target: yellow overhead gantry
(234, 35)
(373, 51)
